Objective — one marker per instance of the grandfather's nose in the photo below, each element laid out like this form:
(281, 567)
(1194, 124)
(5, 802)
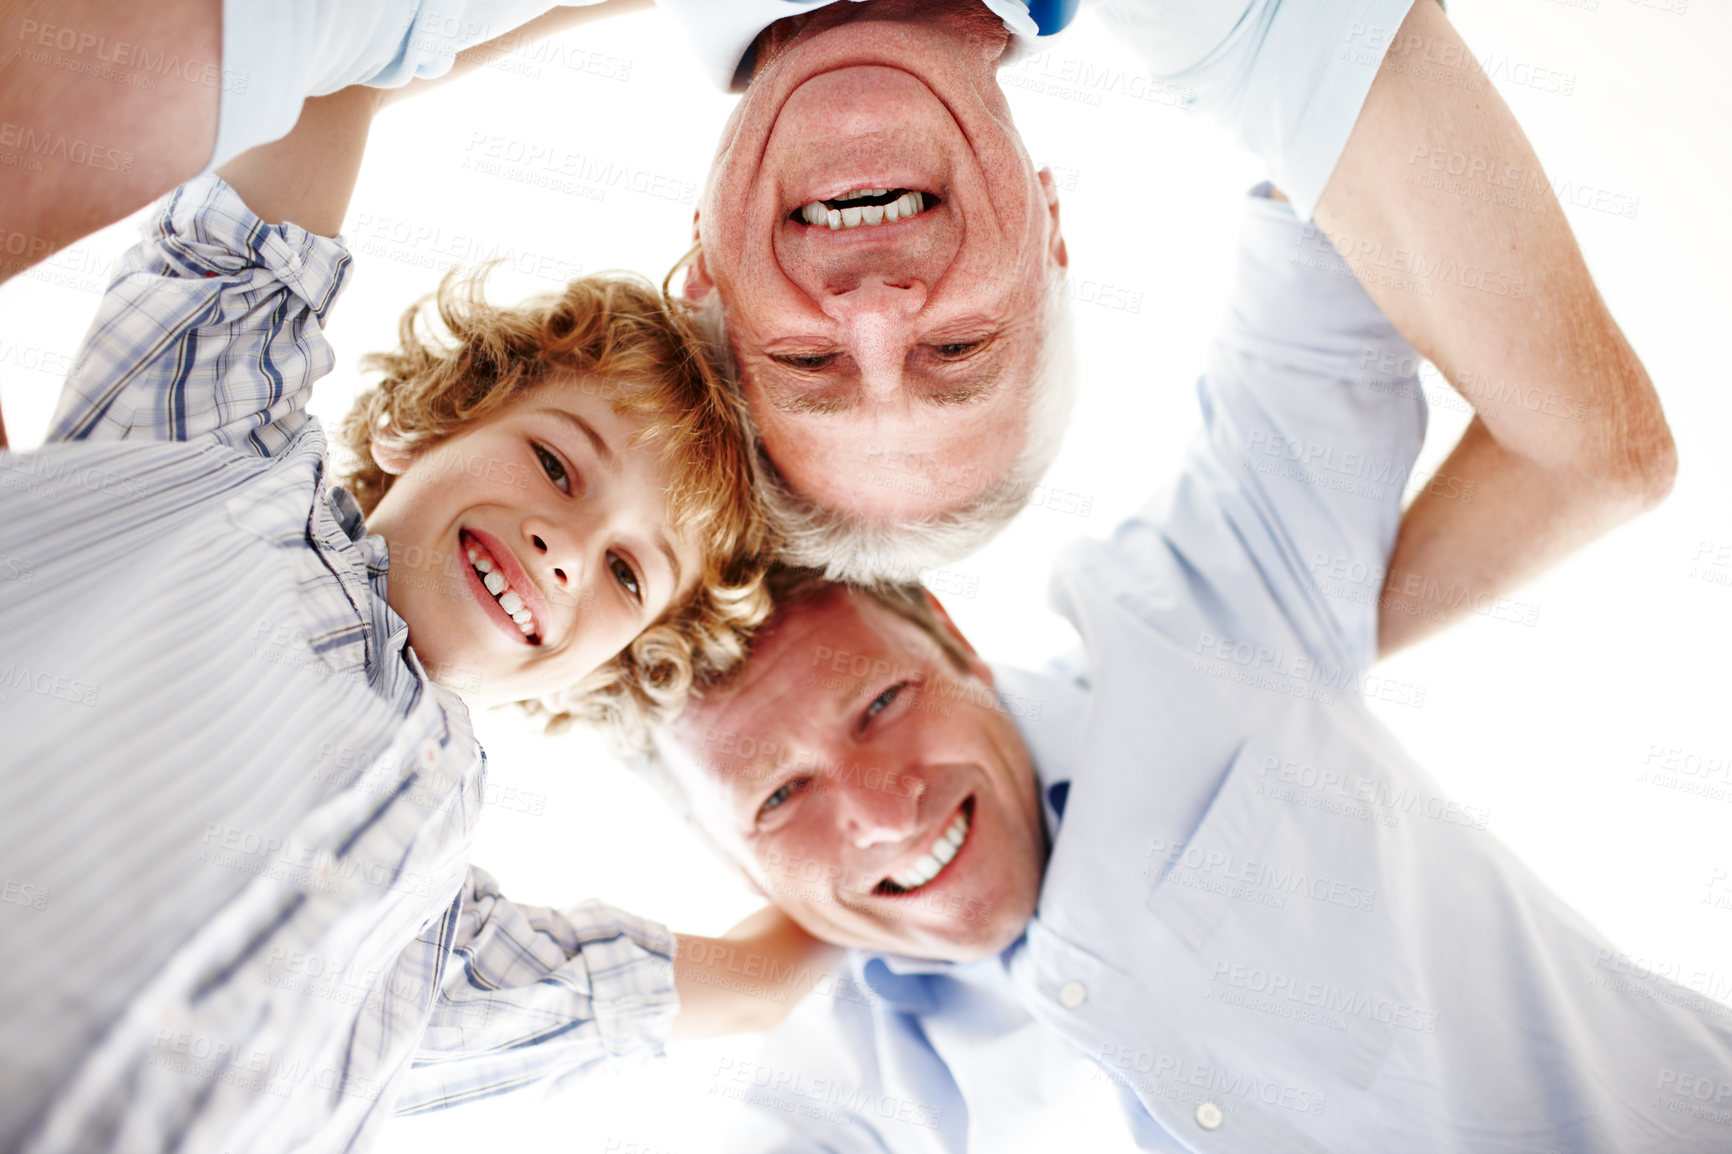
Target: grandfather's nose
(873, 297)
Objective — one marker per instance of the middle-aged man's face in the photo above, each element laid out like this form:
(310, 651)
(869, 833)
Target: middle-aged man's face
(871, 789)
(887, 364)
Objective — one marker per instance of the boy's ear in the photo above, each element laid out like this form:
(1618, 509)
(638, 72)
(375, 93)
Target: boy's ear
(390, 454)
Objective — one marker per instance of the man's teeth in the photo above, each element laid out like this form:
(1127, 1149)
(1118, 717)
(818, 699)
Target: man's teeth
(928, 865)
(855, 216)
(507, 596)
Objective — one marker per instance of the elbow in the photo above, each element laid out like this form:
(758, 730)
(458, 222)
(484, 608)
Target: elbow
(1637, 459)
(1650, 460)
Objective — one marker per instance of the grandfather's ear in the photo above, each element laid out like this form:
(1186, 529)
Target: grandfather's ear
(698, 286)
(1055, 241)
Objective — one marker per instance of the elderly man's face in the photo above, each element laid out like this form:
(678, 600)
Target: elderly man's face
(887, 364)
(874, 792)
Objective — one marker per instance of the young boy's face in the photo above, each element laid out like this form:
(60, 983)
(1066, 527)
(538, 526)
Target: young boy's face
(532, 547)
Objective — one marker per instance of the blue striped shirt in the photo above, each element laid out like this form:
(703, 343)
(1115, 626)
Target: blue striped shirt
(239, 912)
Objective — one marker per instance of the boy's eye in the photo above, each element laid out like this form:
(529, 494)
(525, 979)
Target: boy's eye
(782, 794)
(554, 468)
(625, 575)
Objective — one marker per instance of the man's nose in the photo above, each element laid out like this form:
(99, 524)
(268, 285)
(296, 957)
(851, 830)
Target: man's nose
(880, 807)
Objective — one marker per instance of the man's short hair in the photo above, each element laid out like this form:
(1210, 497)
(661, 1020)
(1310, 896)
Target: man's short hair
(790, 587)
(847, 547)
(461, 359)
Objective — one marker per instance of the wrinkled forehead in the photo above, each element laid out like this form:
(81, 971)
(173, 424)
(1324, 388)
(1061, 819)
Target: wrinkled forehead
(807, 670)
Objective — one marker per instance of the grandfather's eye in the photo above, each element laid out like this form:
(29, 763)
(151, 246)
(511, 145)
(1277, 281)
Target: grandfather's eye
(811, 362)
(958, 349)
(554, 468)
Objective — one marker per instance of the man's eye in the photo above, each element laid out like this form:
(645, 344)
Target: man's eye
(782, 794)
(811, 362)
(625, 575)
(883, 701)
(554, 468)
(957, 350)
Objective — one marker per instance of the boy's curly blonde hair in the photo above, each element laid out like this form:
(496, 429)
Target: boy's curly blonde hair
(613, 327)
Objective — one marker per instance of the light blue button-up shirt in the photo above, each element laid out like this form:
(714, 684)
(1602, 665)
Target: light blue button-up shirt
(1262, 926)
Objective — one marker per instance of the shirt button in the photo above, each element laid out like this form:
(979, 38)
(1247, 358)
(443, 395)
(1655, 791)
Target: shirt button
(1209, 1116)
(428, 754)
(1071, 995)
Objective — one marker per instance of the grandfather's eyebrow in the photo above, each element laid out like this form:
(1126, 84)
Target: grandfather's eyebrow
(837, 397)
(602, 449)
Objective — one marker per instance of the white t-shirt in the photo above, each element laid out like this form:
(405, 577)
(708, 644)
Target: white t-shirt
(1286, 77)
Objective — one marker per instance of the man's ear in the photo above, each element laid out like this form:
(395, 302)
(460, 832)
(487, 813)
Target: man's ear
(1055, 242)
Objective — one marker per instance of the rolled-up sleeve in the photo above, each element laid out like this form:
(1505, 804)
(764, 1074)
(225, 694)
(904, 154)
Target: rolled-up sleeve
(213, 328)
(536, 995)
(276, 53)
(1286, 78)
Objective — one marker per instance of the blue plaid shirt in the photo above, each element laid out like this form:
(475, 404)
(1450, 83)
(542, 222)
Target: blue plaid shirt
(239, 812)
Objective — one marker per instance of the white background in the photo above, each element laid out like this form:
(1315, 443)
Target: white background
(1549, 726)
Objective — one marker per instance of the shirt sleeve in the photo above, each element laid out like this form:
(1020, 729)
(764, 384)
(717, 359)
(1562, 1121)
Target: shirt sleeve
(1286, 78)
(212, 329)
(276, 53)
(534, 995)
(1280, 526)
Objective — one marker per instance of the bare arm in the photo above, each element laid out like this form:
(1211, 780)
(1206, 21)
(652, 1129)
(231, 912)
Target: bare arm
(135, 143)
(122, 146)
(1485, 279)
(308, 176)
(747, 980)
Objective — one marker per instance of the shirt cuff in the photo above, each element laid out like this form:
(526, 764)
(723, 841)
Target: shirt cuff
(207, 230)
(631, 978)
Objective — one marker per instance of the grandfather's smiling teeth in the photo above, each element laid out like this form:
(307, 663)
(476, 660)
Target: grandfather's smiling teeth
(507, 597)
(933, 861)
(837, 213)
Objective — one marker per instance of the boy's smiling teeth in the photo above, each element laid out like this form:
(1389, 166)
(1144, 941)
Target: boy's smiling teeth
(863, 208)
(506, 596)
(931, 863)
